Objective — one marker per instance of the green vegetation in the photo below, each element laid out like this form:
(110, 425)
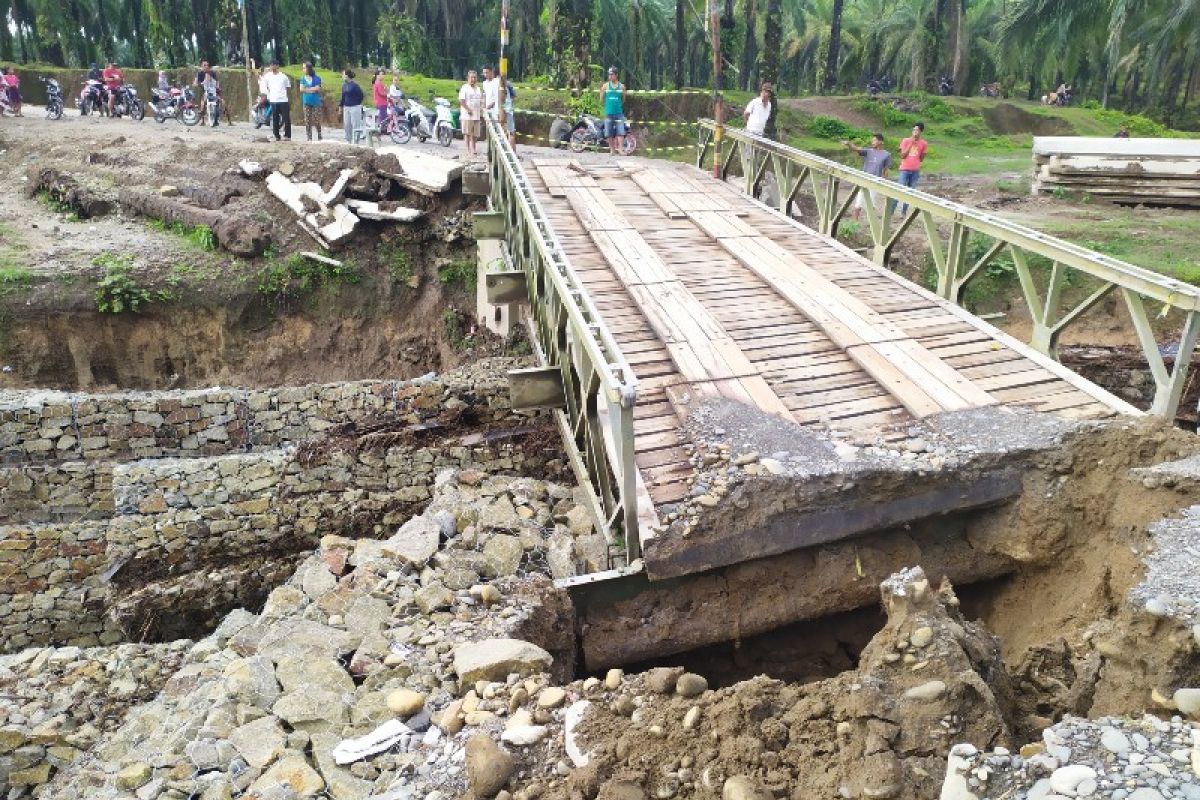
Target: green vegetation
(14, 279)
(118, 289)
(456, 326)
(399, 264)
(458, 274)
(199, 236)
(57, 206)
(297, 276)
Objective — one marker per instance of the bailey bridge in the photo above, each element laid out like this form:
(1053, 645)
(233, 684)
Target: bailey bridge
(735, 386)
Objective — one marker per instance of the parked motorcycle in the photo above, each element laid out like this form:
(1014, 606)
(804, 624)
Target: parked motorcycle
(93, 97)
(177, 104)
(989, 90)
(54, 98)
(426, 123)
(946, 87)
(212, 105)
(589, 133)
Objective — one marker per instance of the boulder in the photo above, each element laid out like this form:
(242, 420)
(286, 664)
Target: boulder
(488, 767)
(259, 742)
(496, 659)
(293, 771)
(502, 554)
(415, 542)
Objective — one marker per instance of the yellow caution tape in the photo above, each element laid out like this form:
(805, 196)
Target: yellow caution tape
(600, 148)
(661, 123)
(627, 91)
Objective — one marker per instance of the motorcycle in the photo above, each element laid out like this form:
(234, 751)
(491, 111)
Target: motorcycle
(435, 123)
(128, 103)
(946, 87)
(989, 90)
(178, 104)
(93, 97)
(54, 98)
(874, 89)
(589, 133)
(212, 105)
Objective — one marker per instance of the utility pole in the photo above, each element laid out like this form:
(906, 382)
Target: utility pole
(501, 114)
(714, 24)
(246, 56)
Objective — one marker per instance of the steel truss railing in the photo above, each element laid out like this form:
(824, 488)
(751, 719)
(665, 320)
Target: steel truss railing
(948, 228)
(569, 334)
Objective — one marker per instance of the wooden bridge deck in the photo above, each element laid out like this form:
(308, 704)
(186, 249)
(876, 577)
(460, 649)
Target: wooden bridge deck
(710, 294)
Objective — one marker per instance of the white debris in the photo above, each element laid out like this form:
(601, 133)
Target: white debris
(385, 736)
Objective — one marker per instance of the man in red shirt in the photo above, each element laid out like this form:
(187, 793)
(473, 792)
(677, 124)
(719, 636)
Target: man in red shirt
(113, 79)
(912, 153)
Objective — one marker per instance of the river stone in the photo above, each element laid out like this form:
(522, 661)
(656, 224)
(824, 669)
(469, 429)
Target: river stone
(1145, 793)
(415, 542)
(921, 637)
(502, 555)
(1187, 701)
(1065, 780)
(613, 678)
(551, 697)
(1113, 740)
(495, 659)
(742, 787)
(433, 597)
(488, 767)
(259, 742)
(291, 770)
(662, 679)
(690, 684)
(523, 735)
(316, 707)
(926, 692)
(405, 702)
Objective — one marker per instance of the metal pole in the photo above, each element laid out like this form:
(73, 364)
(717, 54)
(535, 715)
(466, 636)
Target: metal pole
(714, 23)
(501, 114)
(246, 54)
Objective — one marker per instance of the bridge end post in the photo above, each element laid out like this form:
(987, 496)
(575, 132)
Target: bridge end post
(493, 309)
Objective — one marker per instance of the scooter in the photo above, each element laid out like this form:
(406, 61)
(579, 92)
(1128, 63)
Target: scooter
(175, 103)
(426, 123)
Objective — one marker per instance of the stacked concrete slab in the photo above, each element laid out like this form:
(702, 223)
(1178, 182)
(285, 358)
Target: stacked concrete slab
(1163, 172)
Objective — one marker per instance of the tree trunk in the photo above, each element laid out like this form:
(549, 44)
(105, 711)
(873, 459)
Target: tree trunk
(680, 44)
(835, 46)
(960, 64)
(6, 38)
(768, 68)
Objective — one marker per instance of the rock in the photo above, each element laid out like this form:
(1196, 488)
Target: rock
(433, 597)
(621, 789)
(488, 767)
(773, 466)
(742, 787)
(502, 555)
(487, 594)
(921, 637)
(415, 541)
(1187, 701)
(30, 776)
(571, 739)
(324, 673)
(1113, 740)
(613, 678)
(133, 776)
(495, 659)
(930, 690)
(691, 718)
(662, 679)
(252, 681)
(690, 684)
(1155, 607)
(311, 706)
(405, 702)
(523, 735)
(293, 771)
(259, 742)
(1065, 780)
(551, 697)
(167, 190)
(1145, 794)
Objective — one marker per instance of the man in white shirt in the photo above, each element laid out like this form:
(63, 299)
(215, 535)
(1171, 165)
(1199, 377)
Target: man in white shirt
(277, 85)
(491, 92)
(470, 105)
(758, 111)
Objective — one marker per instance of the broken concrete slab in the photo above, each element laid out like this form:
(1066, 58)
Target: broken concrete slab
(342, 225)
(421, 172)
(368, 209)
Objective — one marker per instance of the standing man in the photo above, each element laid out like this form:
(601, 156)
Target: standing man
(470, 103)
(277, 85)
(612, 95)
(310, 100)
(912, 153)
(351, 104)
(758, 111)
(876, 161)
(491, 92)
(113, 79)
(202, 75)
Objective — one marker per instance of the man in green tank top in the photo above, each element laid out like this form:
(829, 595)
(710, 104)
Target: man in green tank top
(612, 95)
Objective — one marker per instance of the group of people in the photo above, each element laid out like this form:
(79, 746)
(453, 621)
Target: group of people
(475, 99)
(113, 79)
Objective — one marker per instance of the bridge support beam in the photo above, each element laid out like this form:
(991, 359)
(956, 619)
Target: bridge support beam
(537, 388)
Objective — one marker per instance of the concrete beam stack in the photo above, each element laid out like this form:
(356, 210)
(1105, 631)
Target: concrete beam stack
(1162, 172)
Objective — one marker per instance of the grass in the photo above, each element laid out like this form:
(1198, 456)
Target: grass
(201, 237)
(118, 289)
(458, 274)
(296, 276)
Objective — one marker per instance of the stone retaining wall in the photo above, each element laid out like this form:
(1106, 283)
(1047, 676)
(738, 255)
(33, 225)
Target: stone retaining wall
(60, 492)
(38, 426)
